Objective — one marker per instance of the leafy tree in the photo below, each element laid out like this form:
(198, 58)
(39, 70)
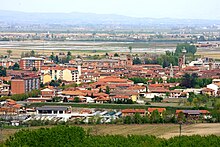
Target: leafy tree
(157, 99)
(63, 87)
(155, 117)
(153, 81)
(54, 83)
(32, 53)
(127, 120)
(190, 100)
(22, 97)
(189, 48)
(216, 113)
(2, 71)
(68, 58)
(51, 137)
(168, 53)
(165, 63)
(181, 117)
(65, 100)
(174, 80)
(42, 85)
(76, 100)
(145, 119)
(9, 53)
(196, 102)
(56, 99)
(202, 38)
(15, 66)
(139, 80)
(136, 61)
(52, 57)
(187, 81)
(22, 55)
(107, 91)
(130, 49)
(62, 135)
(137, 118)
(56, 59)
(34, 69)
(116, 55)
(69, 53)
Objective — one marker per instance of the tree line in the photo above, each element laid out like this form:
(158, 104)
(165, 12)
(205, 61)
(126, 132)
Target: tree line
(187, 81)
(22, 97)
(77, 136)
(169, 58)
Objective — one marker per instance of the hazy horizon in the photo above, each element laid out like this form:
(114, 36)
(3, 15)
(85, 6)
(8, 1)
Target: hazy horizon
(196, 9)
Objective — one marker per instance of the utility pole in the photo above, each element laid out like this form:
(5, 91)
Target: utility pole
(180, 127)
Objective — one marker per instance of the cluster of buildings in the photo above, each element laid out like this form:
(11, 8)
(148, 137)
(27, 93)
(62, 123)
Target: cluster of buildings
(123, 36)
(106, 80)
(98, 77)
(10, 110)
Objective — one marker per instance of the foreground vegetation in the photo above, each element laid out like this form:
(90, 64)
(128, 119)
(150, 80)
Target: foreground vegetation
(77, 136)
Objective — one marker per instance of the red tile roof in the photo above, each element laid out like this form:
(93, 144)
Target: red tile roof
(204, 111)
(133, 111)
(121, 96)
(160, 110)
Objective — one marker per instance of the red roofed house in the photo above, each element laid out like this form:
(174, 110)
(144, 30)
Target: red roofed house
(47, 93)
(194, 114)
(10, 107)
(160, 110)
(130, 112)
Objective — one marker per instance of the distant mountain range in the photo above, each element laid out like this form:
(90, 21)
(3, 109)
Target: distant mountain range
(74, 18)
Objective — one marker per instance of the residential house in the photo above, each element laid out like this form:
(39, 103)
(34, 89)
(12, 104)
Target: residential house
(131, 112)
(101, 99)
(211, 89)
(10, 107)
(4, 89)
(160, 110)
(194, 114)
(6, 63)
(29, 63)
(208, 91)
(65, 73)
(25, 84)
(124, 95)
(47, 93)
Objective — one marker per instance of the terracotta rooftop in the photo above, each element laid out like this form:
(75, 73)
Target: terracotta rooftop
(160, 110)
(133, 111)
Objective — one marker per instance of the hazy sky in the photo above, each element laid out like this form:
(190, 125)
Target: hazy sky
(206, 9)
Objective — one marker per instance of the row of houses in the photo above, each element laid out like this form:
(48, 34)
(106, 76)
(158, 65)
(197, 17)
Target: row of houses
(121, 90)
(188, 114)
(11, 110)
